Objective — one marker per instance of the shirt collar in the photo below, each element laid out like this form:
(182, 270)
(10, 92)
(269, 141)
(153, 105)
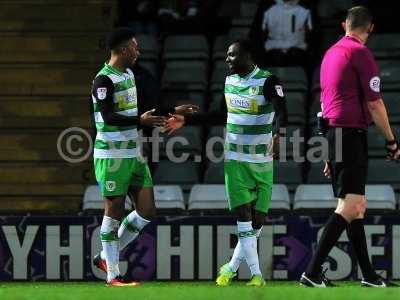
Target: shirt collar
(251, 74)
(112, 69)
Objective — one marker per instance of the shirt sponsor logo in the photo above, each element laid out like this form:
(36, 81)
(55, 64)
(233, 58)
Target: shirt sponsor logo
(111, 186)
(102, 93)
(375, 84)
(250, 105)
(279, 90)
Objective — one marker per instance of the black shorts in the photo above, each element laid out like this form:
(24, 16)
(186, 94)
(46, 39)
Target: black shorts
(348, 168)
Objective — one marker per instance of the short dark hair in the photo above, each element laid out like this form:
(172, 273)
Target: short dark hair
(118, 36)
(359, 17)
(245, 45)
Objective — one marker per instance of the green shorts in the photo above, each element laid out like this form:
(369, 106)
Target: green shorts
(247, 182)
(116, 175)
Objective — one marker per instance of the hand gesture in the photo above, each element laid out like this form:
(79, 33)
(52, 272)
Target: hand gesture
(186, 109)
(173, 123)
(147, 119)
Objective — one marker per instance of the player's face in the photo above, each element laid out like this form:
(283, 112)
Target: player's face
(234, 58)
(131, 52)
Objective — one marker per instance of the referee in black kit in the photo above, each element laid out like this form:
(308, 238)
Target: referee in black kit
(350, 100)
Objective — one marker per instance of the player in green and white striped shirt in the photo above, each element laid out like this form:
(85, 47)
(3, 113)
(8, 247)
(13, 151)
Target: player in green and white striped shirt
(118, 165)
(253, 98)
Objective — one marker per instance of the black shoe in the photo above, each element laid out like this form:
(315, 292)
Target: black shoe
(100, 263)
(378, 283)
(309, 281)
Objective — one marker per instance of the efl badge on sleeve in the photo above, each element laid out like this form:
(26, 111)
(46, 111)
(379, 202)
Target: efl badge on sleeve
(279, 90)
(102, 93)
(375, 84)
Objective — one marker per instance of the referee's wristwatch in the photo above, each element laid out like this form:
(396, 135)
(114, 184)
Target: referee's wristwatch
(391, 152)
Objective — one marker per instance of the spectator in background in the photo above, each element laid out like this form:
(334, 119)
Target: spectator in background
(285, 26)
(332, 9)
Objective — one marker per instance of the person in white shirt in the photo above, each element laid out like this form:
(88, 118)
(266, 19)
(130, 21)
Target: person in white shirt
(285, 26)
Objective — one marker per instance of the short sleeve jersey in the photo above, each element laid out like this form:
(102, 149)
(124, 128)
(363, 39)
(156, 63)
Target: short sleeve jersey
(349, 78)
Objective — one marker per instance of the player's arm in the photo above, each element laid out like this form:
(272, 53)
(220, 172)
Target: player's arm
(273, 91)
(103, 91)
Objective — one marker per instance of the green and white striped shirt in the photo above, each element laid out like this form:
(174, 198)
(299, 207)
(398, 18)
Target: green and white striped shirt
(250, 117)
(116, 141)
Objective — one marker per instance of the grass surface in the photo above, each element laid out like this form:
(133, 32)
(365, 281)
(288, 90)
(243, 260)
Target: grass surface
(189, 291)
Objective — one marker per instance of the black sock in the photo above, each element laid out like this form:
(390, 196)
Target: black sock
(333, 229)
(356, 234)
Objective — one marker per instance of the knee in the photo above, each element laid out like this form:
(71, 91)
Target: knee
(352, 208)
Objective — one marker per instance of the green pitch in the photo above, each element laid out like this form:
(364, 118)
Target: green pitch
(188, 291)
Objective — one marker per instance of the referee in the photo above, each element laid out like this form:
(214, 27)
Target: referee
(350, 100)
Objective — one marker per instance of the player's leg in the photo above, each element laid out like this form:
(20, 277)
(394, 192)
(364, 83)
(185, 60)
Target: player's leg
(114, 209)
(240, 194)
(112, 175)
(141, 191)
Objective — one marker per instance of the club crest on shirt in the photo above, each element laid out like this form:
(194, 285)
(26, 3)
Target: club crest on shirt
(375, 84)
(102, 93)
(110, 186)
(253, 90)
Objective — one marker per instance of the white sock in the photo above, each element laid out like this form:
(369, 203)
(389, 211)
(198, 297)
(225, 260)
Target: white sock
(130, 228)
(248, 243)
(109, 241)
(238, 254)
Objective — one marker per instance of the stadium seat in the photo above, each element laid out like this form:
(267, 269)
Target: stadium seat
(169, 197)
(280, 199)
(53, 80)
(314, 196)
(213, 196)
(289, 173)
(34, 145)
(175, 98)
(293, 78)
(92, 199)
(221, 44)
(294, 142)
(187, 139)
(392, 102)
(381, 171)
(44, 112)
(376, 142)
(380, 197)
(207, 197)
(218, 76)
(168, 172)
(185, 47)
(214, 173)
(148, 46)
(390, 75)
(184, 76)
(217, 99)
(216, 139)
(46, 173)
(385, 46)
(296, 107)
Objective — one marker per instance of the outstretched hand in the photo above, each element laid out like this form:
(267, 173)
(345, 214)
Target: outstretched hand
(174, 122)
(147, 119)
(186, 109)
